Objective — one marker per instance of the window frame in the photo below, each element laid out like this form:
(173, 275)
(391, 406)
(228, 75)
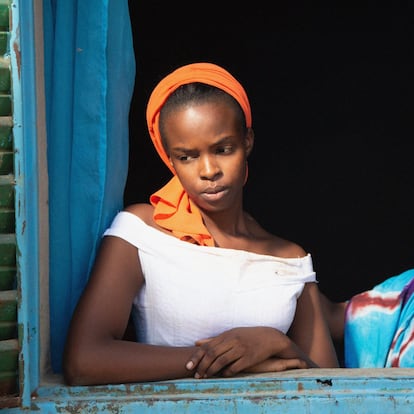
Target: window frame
(339, 390)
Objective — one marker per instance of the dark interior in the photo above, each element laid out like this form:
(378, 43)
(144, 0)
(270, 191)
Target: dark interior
(332, 113)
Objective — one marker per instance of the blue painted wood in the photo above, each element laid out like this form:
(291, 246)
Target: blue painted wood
(345, 391)
(306, 391)
(22, 53)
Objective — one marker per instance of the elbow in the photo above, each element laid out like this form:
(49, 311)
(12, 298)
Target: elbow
(71, 376)
(75, 370)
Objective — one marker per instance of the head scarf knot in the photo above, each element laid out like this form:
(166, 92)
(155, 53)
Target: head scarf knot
(173, 209)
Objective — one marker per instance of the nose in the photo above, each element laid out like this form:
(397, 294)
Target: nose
(209, 168)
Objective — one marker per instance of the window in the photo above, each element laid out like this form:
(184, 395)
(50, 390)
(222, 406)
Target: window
(9, 346)
(40, 391)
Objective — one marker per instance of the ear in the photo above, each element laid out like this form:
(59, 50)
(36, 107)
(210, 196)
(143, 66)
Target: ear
(249, 141)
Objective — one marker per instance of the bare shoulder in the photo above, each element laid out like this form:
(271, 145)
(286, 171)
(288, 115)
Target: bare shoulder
(145, 212)
(287, 248)
(276, 245)
(142, 210)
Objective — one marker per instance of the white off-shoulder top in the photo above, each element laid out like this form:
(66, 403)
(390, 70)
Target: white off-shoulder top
(193, 292)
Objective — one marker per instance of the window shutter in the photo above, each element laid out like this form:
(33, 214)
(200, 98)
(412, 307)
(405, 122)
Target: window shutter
(9, 345)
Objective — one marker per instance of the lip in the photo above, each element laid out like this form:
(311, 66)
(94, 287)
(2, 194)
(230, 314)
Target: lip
(213, 193)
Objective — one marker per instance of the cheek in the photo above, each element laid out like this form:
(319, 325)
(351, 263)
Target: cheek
(246, 173)
(186, 175)
(240, 168)
(171, 164)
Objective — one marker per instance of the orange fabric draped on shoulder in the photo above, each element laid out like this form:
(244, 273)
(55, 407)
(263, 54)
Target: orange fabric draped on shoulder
(174, 210)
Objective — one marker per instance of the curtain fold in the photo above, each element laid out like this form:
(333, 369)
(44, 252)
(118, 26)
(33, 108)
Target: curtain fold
(89, 78)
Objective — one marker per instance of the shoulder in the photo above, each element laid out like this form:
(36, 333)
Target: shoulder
(142, 210)
(145, 212)
(276, 245)
(286, 248)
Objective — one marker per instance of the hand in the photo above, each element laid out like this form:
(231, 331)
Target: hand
(277, 364)
(237, 350)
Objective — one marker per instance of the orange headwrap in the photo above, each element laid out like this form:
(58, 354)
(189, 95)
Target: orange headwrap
(173, 208)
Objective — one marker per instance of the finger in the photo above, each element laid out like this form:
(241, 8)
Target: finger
(216, 359)
(203, 341)
(285, 364)
(195, 359)
(277, 365)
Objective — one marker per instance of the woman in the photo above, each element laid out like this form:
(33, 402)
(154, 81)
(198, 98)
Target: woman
(212, 293)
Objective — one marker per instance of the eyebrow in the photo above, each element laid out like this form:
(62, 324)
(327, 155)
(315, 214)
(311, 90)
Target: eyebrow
(222, 141)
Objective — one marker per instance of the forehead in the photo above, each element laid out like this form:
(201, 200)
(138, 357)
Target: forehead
(205, 123)
(195, 94)
(210, 112)
(215, 113)
(205, 114)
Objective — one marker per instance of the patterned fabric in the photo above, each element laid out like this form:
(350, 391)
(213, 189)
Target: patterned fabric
(379, 326)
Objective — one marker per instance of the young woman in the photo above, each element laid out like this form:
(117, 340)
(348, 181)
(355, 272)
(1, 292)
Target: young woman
(212, 293)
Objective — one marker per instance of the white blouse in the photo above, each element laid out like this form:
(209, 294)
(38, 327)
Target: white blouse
(193, 292)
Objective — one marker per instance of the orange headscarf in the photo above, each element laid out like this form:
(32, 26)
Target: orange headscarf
(174, 210)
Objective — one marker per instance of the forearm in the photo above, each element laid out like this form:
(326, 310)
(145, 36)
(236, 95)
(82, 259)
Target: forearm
(276, 344)
(118, 361)
(292, 351)
(309, 330)
(319, 354)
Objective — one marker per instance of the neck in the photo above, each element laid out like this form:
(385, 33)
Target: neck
(229, 223)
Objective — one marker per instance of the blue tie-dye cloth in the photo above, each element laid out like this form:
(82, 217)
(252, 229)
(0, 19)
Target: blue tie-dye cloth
(379, 325)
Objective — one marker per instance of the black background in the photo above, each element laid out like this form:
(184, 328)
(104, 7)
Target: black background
(332, 112)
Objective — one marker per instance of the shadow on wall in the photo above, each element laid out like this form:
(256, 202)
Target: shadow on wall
(329, 90)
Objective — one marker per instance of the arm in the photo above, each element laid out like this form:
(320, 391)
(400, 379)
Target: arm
(246, 349)
(335, 315)
(264, 349)
(309, 330)
(95, 352)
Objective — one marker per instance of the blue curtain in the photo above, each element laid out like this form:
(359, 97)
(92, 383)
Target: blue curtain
(89, 75)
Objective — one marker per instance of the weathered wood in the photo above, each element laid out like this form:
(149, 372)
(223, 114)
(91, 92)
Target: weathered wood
(7, 191)
(5, 105)
(7, 249)
(7, 277)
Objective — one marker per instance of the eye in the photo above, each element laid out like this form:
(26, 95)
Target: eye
(185, 157)
(227, 149)
(182, 158)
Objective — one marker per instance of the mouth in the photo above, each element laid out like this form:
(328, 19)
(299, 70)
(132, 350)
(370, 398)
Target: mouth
(213, 194)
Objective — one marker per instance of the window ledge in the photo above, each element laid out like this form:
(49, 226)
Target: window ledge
(322, 390)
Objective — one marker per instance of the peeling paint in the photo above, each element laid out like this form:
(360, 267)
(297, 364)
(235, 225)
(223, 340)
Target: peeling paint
(326, 382)
(16, 49)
